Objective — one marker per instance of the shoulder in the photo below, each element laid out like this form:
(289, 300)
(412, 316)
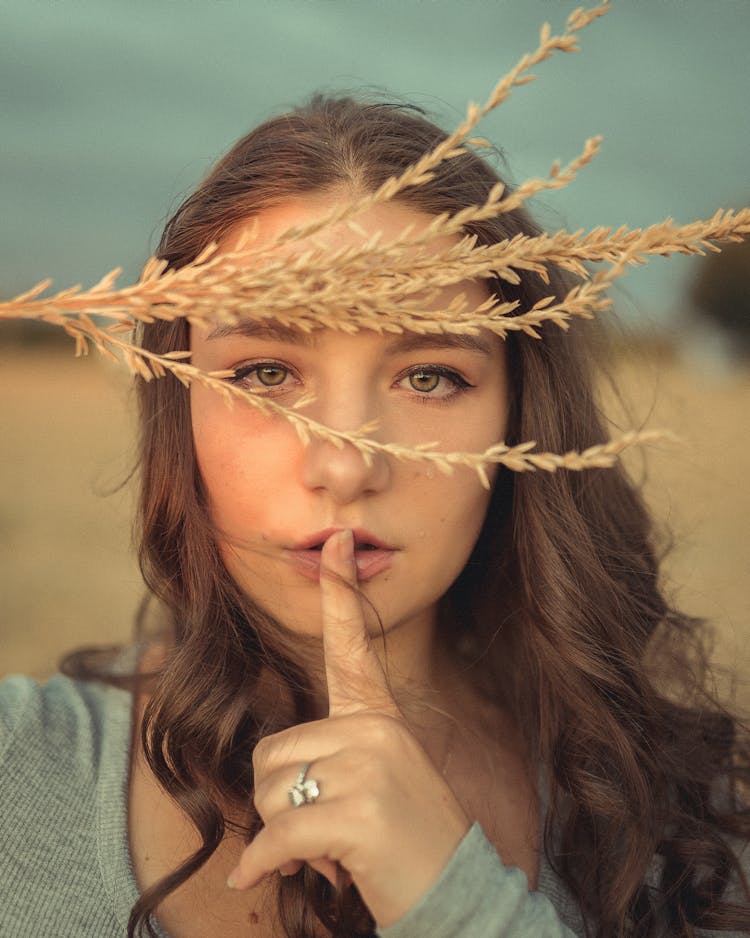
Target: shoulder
(64, 755)
(52, 738)
(59, 722)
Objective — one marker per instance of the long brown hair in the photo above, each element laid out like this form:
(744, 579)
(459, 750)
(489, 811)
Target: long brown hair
(560, 604)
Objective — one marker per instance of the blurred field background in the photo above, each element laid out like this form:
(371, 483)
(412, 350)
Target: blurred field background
(111, 112)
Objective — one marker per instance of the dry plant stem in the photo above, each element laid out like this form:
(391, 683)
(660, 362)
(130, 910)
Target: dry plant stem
(384, 287)
(564, 249)
(149, 365)
(157, 286)
(582, 300)
(349, 295)
(452, 146)
(497, 203)
(124, 304)
(380, 301)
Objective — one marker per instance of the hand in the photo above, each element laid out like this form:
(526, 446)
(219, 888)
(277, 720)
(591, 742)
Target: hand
(384, 813)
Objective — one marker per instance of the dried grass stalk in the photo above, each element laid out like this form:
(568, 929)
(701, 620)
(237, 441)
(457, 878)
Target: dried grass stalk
(375, 286)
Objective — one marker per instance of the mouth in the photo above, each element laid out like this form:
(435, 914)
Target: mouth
(371, 555)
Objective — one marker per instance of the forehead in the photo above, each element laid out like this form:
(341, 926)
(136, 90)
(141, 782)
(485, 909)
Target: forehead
(391, 219)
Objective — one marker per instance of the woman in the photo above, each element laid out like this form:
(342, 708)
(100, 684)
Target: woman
(432, 708)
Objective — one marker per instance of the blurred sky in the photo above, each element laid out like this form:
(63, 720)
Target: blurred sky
(110, 111)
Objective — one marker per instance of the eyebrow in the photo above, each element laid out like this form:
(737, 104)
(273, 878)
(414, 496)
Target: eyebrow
(406, 342)
(273, 331)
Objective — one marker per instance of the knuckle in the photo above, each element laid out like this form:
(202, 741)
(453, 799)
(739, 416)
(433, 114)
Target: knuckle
(260, 800)
(382, 729)
(371, 811)
(367, 812)
(260, 756)
(368, 773)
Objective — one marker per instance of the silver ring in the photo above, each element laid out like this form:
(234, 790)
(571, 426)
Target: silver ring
(304, 791)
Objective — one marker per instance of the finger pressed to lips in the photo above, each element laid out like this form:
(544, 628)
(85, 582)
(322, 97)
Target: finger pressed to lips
(372, 555)
(354, 674)
(369, 562)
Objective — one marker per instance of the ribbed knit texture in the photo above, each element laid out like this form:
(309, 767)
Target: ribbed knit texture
(477, 897)
(65, 869)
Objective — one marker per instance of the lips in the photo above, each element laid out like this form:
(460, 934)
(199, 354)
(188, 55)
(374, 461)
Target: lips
(371, 555)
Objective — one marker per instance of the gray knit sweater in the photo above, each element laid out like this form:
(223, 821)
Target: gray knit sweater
(65, 868)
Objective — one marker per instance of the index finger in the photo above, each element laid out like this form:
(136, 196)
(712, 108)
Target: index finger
(355, 676)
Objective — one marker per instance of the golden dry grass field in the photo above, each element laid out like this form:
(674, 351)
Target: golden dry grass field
(67, 576)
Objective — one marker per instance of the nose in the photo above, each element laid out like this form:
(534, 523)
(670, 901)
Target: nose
(343, 473)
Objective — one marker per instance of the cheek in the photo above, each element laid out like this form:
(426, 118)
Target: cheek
(243, 457)
(467, 511)
(453, 510)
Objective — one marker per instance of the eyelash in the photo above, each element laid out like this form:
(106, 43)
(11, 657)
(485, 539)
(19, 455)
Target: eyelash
(244, 371)
(460, 384)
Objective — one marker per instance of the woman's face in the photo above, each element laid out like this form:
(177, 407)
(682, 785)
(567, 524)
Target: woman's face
(274, 500)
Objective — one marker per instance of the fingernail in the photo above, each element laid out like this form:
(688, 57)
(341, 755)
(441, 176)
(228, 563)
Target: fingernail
(345, 540)
(232, 879)
(230, 882)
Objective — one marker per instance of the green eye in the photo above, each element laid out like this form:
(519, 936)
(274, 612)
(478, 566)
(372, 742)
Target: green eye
(271, 375)
(424, 380)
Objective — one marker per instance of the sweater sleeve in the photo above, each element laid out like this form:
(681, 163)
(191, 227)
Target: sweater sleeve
(476, 896)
